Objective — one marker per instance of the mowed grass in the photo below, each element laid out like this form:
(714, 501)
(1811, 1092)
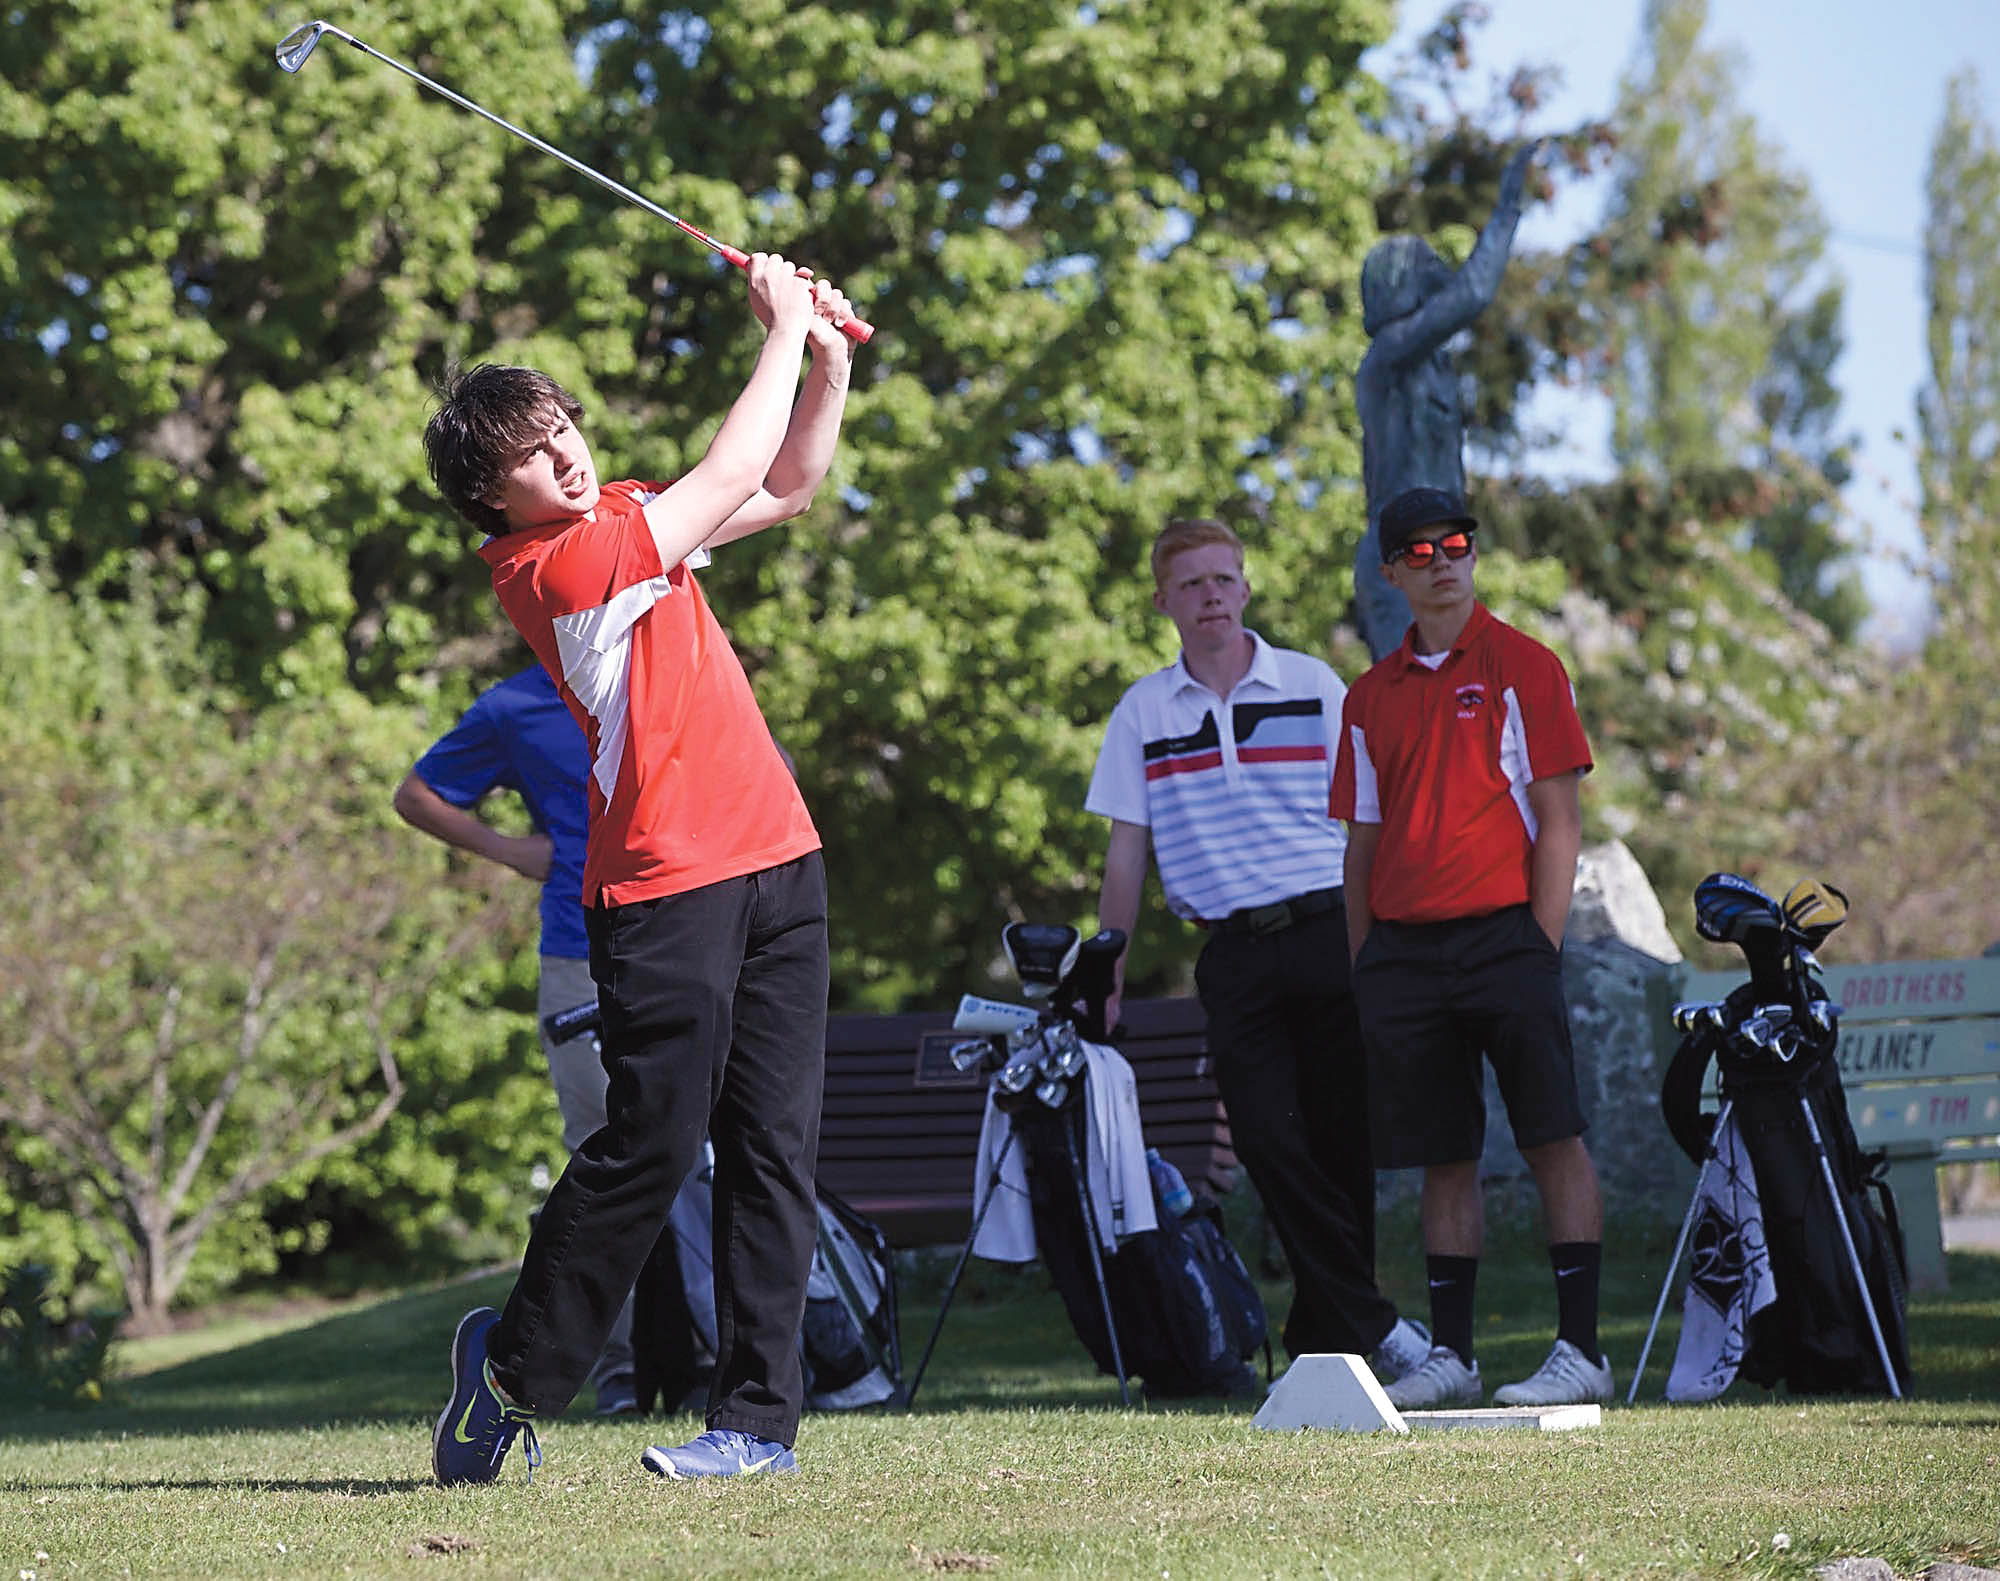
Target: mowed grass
(301, 1449)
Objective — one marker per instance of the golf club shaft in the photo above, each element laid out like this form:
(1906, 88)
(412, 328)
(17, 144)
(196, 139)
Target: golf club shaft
(857, 329)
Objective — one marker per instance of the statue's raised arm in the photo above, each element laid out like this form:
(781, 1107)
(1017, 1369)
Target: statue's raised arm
(1407, 389)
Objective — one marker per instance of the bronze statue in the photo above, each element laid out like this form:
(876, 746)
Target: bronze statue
(1407, 389)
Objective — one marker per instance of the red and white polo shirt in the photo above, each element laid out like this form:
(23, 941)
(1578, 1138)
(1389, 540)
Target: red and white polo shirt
(1442, 760)
(686, 785)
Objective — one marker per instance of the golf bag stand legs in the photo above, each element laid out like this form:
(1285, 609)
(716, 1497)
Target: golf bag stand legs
(1839, 1207)
(1076, 1176)
(1088, 1211)
(958, 1270)
(1680, 1246)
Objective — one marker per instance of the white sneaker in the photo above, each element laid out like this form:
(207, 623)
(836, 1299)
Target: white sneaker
(1438, 1383)
(1568, 1377)
(1404, 1349)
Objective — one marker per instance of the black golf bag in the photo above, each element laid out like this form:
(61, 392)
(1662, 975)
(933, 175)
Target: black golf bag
(1774, 1042)
(1188, 1314)
(849, 1338)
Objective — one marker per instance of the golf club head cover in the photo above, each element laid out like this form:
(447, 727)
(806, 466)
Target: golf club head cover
(1813, 910)
(1041, 953)
(1730, 910)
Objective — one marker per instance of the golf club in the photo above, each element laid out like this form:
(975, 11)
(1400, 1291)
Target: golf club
(297, 46)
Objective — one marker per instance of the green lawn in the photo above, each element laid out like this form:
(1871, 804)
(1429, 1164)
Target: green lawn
(298, 1446)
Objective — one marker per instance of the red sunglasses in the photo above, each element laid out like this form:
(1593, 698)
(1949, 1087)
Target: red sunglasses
(1424, 551)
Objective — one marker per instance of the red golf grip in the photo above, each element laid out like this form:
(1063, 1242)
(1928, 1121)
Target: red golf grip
(856, 329)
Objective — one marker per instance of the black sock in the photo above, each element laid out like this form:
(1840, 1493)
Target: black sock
(1576, 1265)
(1452, 1281)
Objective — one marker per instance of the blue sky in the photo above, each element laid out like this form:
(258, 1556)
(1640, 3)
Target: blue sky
(1851, 93)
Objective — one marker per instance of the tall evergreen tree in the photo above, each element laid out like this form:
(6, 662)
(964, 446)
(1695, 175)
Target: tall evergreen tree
(1894, 799)
(1720, 316)
(1958, 411)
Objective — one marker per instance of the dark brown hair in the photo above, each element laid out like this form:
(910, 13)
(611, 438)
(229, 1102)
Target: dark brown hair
(488, 416)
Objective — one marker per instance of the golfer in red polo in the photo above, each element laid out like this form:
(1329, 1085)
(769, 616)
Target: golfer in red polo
(1457, 771)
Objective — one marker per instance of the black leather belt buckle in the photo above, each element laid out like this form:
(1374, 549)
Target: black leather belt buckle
(1317, 903)
(1260, 920)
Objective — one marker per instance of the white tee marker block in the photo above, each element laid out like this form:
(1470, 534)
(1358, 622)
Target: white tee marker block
(1336, 1391)
(1537, 1418)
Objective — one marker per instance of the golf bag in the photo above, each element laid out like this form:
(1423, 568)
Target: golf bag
(1823, 1207)
(1172, 1303)
(849, 1339)
(1188, 1314)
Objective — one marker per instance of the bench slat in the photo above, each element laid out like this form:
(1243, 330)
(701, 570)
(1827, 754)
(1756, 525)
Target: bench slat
(1924, 1113)
(1899, 1050)
(1892, 991)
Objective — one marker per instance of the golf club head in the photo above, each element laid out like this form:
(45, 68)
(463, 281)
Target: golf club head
(296, 47)
(1064, 1062)
(1729, 909)
(1690, 1013)
(971, 1053)
(1016, 1076)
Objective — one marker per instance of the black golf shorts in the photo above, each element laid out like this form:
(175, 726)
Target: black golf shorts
(1434, 997)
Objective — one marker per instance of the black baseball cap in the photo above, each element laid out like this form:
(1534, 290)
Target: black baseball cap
(1410, 512)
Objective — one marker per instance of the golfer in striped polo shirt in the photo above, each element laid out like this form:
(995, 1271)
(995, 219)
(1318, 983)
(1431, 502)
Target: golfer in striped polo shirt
(1219, 765)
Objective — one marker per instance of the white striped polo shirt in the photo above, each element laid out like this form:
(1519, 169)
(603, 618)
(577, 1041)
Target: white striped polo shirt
(1234, 790)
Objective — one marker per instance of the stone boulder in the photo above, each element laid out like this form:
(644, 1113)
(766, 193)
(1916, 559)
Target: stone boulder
(1619, 963)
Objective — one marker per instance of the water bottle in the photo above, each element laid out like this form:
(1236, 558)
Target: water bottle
(1171, 1185)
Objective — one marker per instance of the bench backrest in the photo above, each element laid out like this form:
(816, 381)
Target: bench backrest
(1919, 1047)
(903, 1154)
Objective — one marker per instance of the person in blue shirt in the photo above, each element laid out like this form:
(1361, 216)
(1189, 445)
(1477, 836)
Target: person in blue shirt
(520, 736)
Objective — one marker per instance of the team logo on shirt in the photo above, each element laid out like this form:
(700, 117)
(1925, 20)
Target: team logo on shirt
(1471, 699)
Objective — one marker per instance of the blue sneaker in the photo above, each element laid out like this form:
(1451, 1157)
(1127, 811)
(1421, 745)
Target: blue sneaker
(720, 1452)
(478, 1426)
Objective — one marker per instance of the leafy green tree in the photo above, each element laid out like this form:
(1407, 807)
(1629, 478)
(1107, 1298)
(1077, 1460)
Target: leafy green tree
(1893, 799)
(217, 952)
(1106, 249)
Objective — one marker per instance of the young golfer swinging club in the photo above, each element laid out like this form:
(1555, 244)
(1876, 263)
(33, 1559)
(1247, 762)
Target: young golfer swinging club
(704, 894)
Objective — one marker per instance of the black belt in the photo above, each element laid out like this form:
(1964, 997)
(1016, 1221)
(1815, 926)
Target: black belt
(1280, 914)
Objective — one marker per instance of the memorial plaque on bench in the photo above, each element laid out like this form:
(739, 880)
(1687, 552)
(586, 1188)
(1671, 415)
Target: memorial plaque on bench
(934, 1066)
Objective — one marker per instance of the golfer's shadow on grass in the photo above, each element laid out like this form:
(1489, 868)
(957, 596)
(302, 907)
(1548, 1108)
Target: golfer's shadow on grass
(353, 1487)
(388, 1361)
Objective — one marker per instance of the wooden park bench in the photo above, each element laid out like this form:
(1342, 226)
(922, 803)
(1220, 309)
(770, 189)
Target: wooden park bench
(901, 1150)
(1920, 1059)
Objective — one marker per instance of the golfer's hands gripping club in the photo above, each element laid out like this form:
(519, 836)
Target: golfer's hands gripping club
(784, 296)
(781, 294)
(841, 316)
(830, 334)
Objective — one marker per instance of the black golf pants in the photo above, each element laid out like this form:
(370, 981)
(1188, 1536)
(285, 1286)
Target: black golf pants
(1288, 1057)
(714, 1007)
